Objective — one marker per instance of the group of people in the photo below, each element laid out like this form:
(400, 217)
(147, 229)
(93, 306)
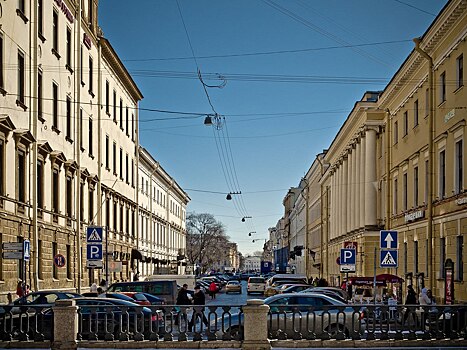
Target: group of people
(184, 298)
(99, 290)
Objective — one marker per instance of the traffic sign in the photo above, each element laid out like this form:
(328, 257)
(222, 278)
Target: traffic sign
(26, 250)
(115, 266)
(94, 264)
(94, 252)
(388, 258)
(13, 255)
(59, 260)
(13, 246)
(94, 234)
(388, 239)
(347, 268)
(348, 256)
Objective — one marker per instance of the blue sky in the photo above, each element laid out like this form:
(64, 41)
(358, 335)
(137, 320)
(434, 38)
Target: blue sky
(291, 71)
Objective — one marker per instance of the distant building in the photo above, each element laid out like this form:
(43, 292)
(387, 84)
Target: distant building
(252, 263)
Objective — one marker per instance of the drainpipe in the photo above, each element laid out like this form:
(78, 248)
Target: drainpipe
(431, 117)
(388, 169)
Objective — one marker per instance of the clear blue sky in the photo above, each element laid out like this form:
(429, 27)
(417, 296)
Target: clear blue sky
(293, 70)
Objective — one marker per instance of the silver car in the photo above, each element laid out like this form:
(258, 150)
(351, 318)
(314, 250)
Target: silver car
(305, 313)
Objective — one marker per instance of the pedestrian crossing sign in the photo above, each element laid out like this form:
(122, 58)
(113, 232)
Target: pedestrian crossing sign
(94, 234)
(388, 258)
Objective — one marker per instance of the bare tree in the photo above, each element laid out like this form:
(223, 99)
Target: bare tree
(206, 240)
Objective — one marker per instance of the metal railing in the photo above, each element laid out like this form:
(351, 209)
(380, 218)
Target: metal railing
(26, 323)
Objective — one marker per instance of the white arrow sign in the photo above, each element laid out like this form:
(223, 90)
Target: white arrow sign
(388, 241)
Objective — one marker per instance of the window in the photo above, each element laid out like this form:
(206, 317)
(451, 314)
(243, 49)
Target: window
(55, 191)
(81, 200)
(69, 274)
(107, 150)
(459, 259)
(460, 71)
(81, 129)
(415, 113)
(21, 77)
(68, 118)
(39, 95)
(81, 65)
(91, 205)
(68, 48)
(22, 6)
(69, 198)
(54, 106)
(415, 187)
(90, 76)
(54, 268)
(90, 13)
(115, 106)
(132, 127)
(396, 133)
(427, 102)
(40, 19)
(55, 33)
(442, 255)
(442, 174)
(121, 218)
(127, 173)
(107, 97)
(40, 184)
(121, 114)
(107, 211)
(405, 257)
(404, 194)
(394, 206)
(132, 173)
(2, 85)
(90, 133)
(427, 177)
(21, 176)
(127, 221)
(442, 87)
(115, 158)
(126, 123)
(415, 256)
(406, 123)
(121, 163)
(115, 216)
(459, 171)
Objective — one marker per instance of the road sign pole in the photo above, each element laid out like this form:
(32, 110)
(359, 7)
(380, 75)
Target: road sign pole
(107, 256)
(374, 281)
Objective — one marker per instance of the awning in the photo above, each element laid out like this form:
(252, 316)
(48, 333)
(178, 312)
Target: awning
(381, 280)
(136, 255)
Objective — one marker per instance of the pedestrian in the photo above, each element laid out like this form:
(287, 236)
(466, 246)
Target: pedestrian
(9, 297)
(100, 292)
(93, 288)
(136, 277)
(183, 300)
(19, 289)
(103, 284)
(213, 290)
(27, 289)
(198, 299)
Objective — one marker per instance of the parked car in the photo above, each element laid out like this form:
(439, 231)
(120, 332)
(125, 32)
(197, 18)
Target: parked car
(41, 298)
(167, 290)
(294, 288)
(152, 300)
(233, 287)
(256, 285)
(310, 312)
(328, 291)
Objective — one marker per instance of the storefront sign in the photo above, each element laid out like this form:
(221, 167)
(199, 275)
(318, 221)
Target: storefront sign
(87, 41)
(419, 214)
(65, 10)
(461, 201)
(448, 282)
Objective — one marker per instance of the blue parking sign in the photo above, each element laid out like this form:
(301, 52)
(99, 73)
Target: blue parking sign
(94, 252)
(348, 256)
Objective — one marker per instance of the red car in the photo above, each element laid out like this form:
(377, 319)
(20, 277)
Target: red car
(139, 298)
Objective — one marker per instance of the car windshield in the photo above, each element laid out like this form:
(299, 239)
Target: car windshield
(256, 280)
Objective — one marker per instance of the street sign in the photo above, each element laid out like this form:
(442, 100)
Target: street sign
(13, 246)
(347, 268)
(13, 255)
(94, 234)
(388, 239)
(94, 264)
(94, 252)
(388, 258)
(348, 256)
(26, 250)
(115, 266)
(59, 260)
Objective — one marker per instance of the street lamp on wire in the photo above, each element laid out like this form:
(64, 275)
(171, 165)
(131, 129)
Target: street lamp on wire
(229, 195)
(245, 217)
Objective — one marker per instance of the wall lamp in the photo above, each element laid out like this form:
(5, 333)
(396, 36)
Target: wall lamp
(250, 233)
(246, 217)
(229, 195)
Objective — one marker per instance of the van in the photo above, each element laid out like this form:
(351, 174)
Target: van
(165, 289)
(256, 285)
(190, 280)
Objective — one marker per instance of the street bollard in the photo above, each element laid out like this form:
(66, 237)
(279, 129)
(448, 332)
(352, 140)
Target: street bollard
(256, 325)
(65, 329)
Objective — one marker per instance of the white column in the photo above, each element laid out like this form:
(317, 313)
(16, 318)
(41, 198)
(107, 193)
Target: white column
(358, 179)
(370, 177)
(362, 183)
(333, 205)
(345, 187)
(351, 177)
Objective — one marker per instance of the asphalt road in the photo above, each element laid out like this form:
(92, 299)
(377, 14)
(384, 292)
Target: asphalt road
(233, 299)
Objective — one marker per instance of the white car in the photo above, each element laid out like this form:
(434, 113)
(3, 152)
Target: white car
(256, 285)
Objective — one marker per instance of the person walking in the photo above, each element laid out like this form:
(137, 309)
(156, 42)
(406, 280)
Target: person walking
(410, 299)
(182, 300)
(213, 290)
(198, 299)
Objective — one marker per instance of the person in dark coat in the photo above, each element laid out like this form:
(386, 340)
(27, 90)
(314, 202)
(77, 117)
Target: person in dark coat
(183, 299)
(411, 299)
(199, 298)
